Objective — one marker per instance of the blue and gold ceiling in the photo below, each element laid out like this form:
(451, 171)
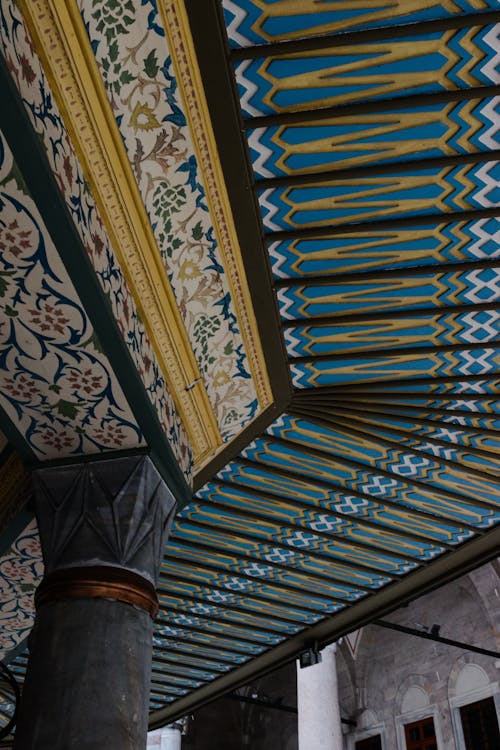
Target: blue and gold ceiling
(298, 261)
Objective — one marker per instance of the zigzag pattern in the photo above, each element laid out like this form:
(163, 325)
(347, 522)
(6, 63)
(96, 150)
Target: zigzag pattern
(452, 59)
(470, 386)
(218, 641)
(409, 466)
(373, 485)
(184, 605)
(414, 434)
(266, 574)
(392, 518)
(377, 249)
(300, 538)
(425, 290)
(211, 626)
(322, 520)
(251, 22)
(240, 18)
(436, 190)
(402, 367)
(438, 130)
(230, 597)
(474, 422)
(284, 556)
(277, 601)
(441, 330)
(171, 644)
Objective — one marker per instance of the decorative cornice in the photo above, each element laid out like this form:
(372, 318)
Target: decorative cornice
(185, 62)
(61, 42)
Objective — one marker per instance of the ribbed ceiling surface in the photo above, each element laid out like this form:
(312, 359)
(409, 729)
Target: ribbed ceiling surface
(382, 241)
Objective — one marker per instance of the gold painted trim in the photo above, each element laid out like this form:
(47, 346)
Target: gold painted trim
(61, 41)
(187, 73)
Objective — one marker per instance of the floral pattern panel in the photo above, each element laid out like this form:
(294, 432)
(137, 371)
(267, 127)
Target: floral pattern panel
(25, 67)
(130, 48)
(21, 569)
(56, 385)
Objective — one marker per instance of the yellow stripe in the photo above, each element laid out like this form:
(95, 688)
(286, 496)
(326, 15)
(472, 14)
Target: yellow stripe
(187, 73)
(62, 43)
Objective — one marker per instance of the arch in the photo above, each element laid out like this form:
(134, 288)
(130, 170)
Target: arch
(414, 689)
(414, 699)
(471, 677)
(467, 678)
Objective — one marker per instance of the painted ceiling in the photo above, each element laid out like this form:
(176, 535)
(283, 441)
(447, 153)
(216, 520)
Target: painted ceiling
(262, 240)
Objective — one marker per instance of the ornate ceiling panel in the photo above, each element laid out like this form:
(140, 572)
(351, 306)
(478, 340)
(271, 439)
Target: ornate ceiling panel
(375, 161)
(21, 568)
(115, 83)
(253, 22)
(57, 386)
(44, 116)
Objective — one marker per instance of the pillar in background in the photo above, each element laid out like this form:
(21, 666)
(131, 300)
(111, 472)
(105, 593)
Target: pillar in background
(168, 738)
(102, 527)
(319, 724)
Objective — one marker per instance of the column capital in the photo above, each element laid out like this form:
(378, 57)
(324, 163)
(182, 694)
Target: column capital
(108, 512)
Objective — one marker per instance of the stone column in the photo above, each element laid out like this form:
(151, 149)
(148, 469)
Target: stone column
(102, 526)
(168, 738)
(318, 708)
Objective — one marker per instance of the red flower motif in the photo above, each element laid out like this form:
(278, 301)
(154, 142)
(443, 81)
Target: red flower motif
(68, 169)
(98, 244)
(86, 381)
(58, 440)
(15, 240)
(21, 387)
(49, 318)
(110, 434)
(27, 71)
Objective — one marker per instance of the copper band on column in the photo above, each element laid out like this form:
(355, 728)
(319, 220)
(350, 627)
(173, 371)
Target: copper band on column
(100, 582)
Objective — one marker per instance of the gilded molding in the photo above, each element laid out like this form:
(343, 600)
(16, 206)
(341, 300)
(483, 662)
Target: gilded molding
(180, 43)
(61, 42)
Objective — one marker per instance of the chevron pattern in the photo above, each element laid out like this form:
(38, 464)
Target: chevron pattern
(434, 190)
(251, 22)
(398, 135)
(376, 248)
(387, 456)
(453, 59)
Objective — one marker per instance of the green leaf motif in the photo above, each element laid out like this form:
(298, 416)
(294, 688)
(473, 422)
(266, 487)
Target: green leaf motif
(151, 64)
(126, 77)
(4, 284)
(10, 311)
(113, 51)
(93, 342)
(66, 409)
(197, 231)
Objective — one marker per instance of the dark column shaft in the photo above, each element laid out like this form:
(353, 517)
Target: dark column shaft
(90, 671)
(102, 529)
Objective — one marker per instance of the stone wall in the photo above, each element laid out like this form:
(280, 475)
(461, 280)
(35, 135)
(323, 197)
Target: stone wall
(392, 680)
(397, 678)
